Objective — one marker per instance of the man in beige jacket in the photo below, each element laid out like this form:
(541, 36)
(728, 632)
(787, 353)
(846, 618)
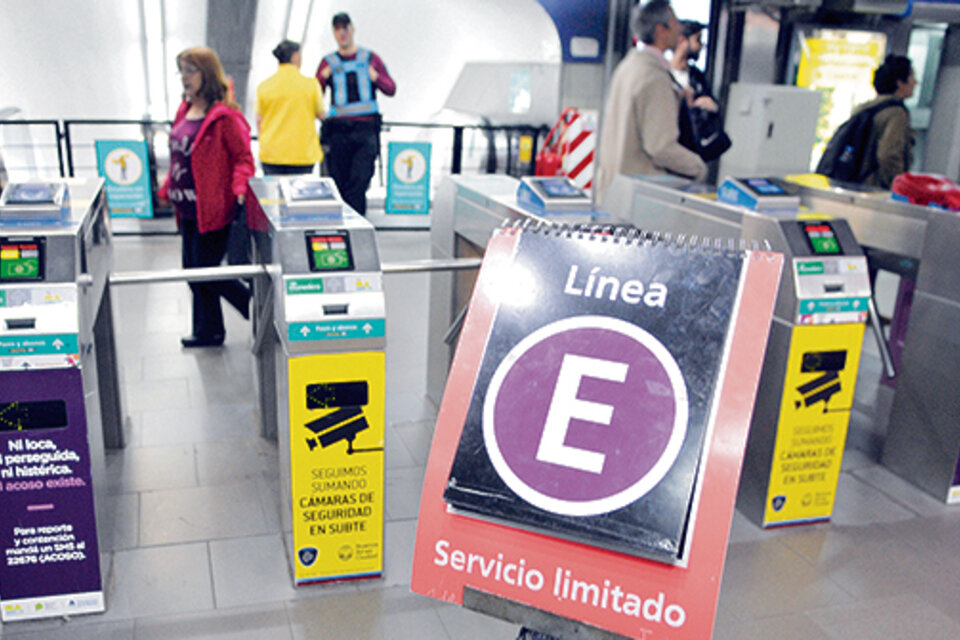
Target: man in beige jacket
(639, 131)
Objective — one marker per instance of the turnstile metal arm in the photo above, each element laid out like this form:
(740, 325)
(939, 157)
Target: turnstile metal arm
(414, 266)
(190, 275)
(454, 330)
(888, 367)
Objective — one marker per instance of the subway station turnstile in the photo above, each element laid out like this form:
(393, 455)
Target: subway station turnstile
(803, 406)
(320, 340)
(59, 396)
(466, 211)
(919, 436)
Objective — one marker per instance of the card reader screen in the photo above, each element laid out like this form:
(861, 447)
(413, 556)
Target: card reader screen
(33, 416)
(765, 187)
(30, 193)
(21, 259)
(329, 251)
(822, 239)
(310, 190)
(558, 188)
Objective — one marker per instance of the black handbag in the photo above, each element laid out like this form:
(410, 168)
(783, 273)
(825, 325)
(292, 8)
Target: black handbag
(712, 140)
(702, 132)
(239, 250)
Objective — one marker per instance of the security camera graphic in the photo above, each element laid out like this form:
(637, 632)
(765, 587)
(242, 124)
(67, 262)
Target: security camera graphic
(346, 421)
(823, 387)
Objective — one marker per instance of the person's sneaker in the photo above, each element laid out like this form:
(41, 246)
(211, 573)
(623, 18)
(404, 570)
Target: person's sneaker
(203, 341)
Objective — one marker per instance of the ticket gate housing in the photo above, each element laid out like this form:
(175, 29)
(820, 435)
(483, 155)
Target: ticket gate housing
(59, 396)
(466, 211)
(918, 436)
(320, 344)
(802, 412)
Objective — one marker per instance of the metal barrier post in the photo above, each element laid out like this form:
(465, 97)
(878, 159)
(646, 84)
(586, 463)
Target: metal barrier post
(66, 141)
(457, 160)
(56, 125)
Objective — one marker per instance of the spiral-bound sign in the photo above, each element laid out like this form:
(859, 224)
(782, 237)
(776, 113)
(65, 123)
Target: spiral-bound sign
(585, 415)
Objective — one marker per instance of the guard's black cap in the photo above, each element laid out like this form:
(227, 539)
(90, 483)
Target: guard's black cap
(690, 27)
(341, 19)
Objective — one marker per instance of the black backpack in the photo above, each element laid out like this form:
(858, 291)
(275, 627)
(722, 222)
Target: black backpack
(844, 158)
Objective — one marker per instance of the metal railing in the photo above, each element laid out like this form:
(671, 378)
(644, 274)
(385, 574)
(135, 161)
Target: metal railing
(500, 153)
(57, 139)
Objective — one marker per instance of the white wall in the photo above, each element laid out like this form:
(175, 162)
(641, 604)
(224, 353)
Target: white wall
(70, 59)
(64, 58)
(424, 43)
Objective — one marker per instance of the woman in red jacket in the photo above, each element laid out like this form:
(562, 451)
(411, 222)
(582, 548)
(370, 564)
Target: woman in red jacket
(210, 164)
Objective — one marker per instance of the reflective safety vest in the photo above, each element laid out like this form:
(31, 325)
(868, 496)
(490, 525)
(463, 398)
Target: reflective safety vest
(352, 90)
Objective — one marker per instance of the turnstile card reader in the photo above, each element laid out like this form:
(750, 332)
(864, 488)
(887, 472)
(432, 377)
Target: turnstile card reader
(555, 194)
(758, 194)
(326, 354)
(34, 201)
(311, 197)
(59, 400)
(799, 426)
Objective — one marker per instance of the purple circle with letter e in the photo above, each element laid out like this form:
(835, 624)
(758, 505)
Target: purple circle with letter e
(585, 415)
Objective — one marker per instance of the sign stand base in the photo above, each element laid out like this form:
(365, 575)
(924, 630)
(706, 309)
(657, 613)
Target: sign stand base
(547, 624)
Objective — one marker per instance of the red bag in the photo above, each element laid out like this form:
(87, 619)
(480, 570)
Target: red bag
(549, 159)
(926, 189)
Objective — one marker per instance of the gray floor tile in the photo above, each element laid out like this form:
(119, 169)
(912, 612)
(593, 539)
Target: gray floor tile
(180, 365)
(201, 424)
(902, 492)
(403, 407)
(160, 581)
(252, 570)
(224, 389)
(743, 529)
(201, 513)
(384, 614)
(789, 627)
(122, 531)
(153, 396)
(80, 628)
(237, 459)
(398, 552)
(766, 579)
(417, 435)
(858, 503)
(464, 624)
(271, 501)
(151, 468)
(263, 622)
(396, 453)
(867, 561)
(403, 487)
(906, 616)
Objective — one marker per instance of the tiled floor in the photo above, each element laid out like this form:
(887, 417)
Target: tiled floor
(197, 550)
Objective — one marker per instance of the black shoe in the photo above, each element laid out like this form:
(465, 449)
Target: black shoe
(214, 340)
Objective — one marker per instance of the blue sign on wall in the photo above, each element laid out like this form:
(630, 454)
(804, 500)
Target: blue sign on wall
(408, 178)
(582, 27)
(124, 166)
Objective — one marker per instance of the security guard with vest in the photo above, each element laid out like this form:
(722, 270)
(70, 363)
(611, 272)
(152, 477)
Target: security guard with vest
(351, 130)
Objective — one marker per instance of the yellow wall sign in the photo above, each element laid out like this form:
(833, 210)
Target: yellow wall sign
(812, 427)
(336, 465)
(840, 64)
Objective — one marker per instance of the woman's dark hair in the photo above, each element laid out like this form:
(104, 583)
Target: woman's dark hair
(285, 50)
(893, 68)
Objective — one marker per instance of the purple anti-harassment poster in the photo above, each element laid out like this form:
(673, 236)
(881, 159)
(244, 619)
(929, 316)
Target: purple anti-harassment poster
(50, 563)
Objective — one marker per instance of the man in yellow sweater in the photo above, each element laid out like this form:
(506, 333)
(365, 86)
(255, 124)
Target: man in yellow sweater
(288, 103)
